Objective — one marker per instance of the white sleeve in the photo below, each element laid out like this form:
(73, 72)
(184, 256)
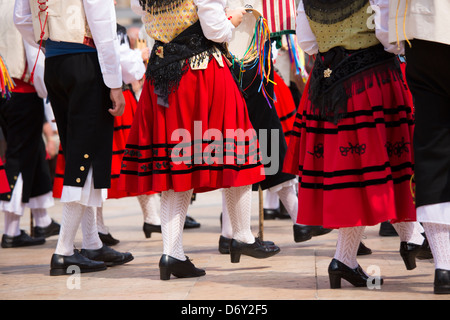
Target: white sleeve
(381, 24)
(133, 67)
(101, 17)
(136, 7)
(23, 21)
(305, 37)
(214, 22)
(36, 60)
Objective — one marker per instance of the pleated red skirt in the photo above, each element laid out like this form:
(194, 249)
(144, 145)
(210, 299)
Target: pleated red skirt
(203, 141)
(356, 173)
(122, 126)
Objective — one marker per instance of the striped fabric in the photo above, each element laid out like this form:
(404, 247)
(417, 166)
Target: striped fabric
(280, 15)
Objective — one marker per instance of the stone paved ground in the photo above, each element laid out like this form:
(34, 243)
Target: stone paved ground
(298, 272)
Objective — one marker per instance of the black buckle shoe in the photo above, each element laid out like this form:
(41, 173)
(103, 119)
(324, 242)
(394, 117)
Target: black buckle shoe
(109, 256)
(22, 240)
(60, 264)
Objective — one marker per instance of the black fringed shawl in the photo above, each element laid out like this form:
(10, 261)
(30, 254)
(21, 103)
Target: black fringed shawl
(169, 61)
(159, 6)
(332, 11)
(338, 74)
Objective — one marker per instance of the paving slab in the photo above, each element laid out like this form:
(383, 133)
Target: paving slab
(298, 272)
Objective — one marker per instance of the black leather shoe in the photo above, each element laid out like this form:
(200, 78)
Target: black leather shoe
(108, 239)
(271, 214)
(224, 244)
(425, 253)
(45, 232)
(410, 251)
(357, 277)
(150, 228)
(59, 264)
(109, 256)
(304, 233)
(441, 281)
(256, 249)
(190, 223)
(363, 250)
(387, 230)
(22, 240)
(180, 269)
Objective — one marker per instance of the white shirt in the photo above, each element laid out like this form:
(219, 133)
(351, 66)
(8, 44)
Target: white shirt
(133, 67)
(307, 39)
(101, 18)
(211, 13)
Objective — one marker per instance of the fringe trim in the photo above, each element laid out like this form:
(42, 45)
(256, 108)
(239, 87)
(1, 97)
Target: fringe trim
(332, 11)
(355, 74)
(156, 7)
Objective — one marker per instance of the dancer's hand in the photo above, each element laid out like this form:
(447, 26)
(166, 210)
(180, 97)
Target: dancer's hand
(236, 15)
(118, 102)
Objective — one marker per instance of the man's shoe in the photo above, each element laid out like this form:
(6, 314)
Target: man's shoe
(22, 240)
(60, 264)
(45, 232)
(109, 256)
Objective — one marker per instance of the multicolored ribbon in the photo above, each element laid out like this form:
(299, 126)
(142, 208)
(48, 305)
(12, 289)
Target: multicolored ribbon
(6, 82)
(258, 55)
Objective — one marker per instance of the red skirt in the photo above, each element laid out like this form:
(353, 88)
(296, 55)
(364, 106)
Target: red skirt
(355, 173)
(4, 184)
(285, 106)
(122, 127)
(203, 141)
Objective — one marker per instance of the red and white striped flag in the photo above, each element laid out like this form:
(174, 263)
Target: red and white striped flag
(280, 15)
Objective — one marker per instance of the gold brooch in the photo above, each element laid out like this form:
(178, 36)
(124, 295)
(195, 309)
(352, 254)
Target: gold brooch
(160, 52)
(327, 73)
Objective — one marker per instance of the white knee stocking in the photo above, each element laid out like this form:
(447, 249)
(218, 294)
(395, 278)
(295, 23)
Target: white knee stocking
(409, 232)
(288, 197)
(149, 208)
(91, 239)
(438, 236)
(71, 218)
(41, 217)
(101, 227)
(239, 204)
(227, 229)
(12, 224)
(174, 206)
(348, 244)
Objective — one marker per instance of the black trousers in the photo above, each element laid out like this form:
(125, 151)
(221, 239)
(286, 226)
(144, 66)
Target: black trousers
(80, 102)
(22, 119)
(427, 71)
